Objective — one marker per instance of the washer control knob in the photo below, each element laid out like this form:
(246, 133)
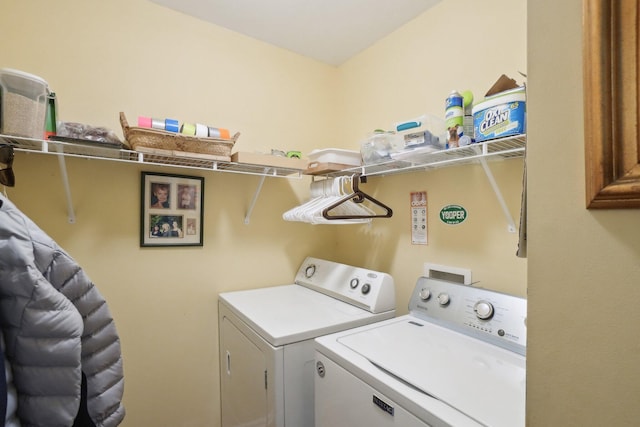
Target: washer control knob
(366, 288)
(354, 283)
(483, 309)
(424, 294)
(310, 270)
(443, 299)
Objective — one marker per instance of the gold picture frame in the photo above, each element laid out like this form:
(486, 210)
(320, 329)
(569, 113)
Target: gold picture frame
(611, 93)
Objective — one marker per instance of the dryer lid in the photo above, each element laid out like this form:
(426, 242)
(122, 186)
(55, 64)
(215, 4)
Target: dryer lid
(292, 313)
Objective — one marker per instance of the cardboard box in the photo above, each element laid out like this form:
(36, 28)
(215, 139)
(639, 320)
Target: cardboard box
(502, 84)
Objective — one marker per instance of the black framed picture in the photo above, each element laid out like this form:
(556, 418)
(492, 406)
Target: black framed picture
(172, 210)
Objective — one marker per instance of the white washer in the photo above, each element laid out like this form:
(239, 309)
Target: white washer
(267, 350)
(457, 359)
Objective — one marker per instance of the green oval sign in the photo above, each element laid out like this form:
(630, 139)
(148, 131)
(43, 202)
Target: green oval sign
(453, 214)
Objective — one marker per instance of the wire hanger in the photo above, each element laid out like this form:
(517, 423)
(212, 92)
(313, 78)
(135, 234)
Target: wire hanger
(358, 196)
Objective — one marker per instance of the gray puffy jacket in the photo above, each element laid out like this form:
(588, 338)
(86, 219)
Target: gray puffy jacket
(57, 329)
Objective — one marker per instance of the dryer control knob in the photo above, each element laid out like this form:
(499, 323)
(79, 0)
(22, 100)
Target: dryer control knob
(310, 270)
(483, 309)
(443, 299)
(424, 294)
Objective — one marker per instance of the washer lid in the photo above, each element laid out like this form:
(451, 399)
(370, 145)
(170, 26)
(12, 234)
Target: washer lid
(485, 382)
(291, 313)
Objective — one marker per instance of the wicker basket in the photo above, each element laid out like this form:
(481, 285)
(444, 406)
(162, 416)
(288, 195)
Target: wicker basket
(138, 137)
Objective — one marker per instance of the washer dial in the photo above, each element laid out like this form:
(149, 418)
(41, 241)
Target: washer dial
(354, 283)
(443, 299)
(424, 294)
(483, 309)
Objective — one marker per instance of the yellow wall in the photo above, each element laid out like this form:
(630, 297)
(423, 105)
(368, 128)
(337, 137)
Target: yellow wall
(102, 58)
(137, 57)
(410, 73)
(583, 268)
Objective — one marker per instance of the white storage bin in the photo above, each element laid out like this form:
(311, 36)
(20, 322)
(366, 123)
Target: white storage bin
(335, 155)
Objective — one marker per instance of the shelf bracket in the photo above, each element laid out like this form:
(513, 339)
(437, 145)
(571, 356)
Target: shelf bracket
(255, 197)
(511, 225)
(67, 189)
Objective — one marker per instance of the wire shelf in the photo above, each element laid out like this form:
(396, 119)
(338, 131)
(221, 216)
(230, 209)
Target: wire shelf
(179, 160)
(416, 160)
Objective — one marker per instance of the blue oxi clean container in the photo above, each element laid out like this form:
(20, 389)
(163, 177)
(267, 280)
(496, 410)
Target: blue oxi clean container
(501, 115)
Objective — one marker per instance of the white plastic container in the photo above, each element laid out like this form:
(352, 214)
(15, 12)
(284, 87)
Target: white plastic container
(335, 155)
(23, 104)
(501, 115)
(426, 130)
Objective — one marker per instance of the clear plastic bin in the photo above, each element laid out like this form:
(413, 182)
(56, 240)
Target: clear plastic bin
(379, 146)
(424, 131)
(23, 104)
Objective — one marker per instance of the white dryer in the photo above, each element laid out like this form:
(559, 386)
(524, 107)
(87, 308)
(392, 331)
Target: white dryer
(457, 359)
(267, 351)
